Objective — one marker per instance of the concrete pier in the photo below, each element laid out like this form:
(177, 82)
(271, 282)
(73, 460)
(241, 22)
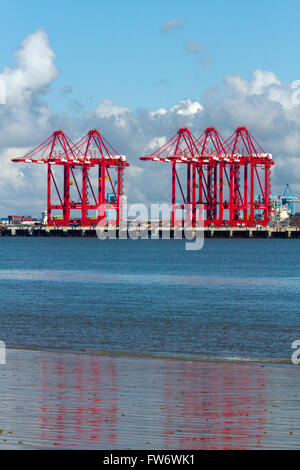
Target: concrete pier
(230, 232)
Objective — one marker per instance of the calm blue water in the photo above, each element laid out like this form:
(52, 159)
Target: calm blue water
(233, 298)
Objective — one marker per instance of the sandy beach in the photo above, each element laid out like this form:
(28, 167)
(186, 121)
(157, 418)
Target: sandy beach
(84, 401)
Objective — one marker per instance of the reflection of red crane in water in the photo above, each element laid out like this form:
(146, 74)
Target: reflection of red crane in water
(214, 406)
(78, 404)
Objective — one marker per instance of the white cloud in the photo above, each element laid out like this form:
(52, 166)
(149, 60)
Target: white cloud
(175, 23)
(197, 49)
(24, 115)
(262, 81)
(11, 175)
(184, 108)
(187, 107)
(155, 143)
(107, 109)
(159, 112)
(34, 69)
(264, 84)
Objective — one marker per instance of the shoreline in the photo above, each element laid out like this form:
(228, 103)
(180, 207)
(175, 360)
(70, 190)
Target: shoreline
(146, 355)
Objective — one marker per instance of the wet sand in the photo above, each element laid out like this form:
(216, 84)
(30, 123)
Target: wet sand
(84, 401)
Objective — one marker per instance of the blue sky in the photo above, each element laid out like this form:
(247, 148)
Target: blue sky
(116, 49)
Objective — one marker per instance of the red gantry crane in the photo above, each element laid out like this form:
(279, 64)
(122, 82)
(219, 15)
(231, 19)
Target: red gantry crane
(210, 170)
(231, 179)
(180, 149)
(78, 190)
(250, 180)
(109, 187)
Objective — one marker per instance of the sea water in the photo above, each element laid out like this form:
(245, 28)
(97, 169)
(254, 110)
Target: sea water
(236, 299)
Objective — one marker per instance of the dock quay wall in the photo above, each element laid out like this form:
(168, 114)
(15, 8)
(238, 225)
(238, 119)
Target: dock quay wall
(253, 233)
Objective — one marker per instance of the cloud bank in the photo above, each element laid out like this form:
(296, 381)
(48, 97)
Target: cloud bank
(267, 106)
